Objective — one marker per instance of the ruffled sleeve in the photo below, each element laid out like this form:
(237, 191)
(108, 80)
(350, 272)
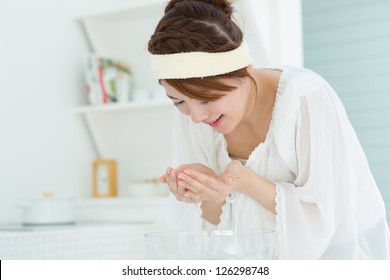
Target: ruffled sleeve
(319, 208)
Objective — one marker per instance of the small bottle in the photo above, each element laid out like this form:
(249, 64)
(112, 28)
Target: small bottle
(123, 86)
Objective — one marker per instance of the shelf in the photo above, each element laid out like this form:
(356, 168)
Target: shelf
(126, 202)
(141, 210)
(124, 106)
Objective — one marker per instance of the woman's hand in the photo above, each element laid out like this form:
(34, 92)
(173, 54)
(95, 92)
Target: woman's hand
(196, 183)
(203, 186)
(179, 190)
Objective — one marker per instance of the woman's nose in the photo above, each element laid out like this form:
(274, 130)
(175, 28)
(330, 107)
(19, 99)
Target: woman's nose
(198, 113)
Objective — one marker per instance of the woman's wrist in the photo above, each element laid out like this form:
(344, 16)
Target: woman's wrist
(258, 188)
(244, 181)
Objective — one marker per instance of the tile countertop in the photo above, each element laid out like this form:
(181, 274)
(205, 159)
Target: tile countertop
(80, 241)
(105, 228)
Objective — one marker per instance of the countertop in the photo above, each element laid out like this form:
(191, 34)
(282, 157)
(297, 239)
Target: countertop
(109, 240)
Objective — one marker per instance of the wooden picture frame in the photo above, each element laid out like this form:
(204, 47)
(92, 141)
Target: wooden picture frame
(104, 179)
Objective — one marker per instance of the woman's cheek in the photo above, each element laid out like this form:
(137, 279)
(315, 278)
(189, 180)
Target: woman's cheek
(184, 109)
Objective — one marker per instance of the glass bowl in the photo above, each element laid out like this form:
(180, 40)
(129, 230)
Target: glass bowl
(209, 245)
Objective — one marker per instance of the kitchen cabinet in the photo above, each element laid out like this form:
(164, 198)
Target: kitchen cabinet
(136, 134)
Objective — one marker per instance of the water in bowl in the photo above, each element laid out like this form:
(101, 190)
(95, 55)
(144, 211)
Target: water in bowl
(200, 245)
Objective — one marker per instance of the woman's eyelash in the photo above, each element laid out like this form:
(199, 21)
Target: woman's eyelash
(177, 104)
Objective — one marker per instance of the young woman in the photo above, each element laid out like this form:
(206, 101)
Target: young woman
(261, 148)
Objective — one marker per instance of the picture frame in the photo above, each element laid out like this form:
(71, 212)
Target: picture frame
(104, 178)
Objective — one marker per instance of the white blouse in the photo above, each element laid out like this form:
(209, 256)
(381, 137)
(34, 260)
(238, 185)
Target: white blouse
(328, 205)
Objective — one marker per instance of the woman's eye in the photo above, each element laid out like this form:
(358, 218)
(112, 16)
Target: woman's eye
(204, 102)
(177, 104)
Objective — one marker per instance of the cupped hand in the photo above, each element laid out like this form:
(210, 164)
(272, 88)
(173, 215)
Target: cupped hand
(177, 188)
(204, 186)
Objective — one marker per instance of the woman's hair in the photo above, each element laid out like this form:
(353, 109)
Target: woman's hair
(202, 26)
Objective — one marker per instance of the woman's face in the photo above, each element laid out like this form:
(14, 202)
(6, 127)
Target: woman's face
(223, 114)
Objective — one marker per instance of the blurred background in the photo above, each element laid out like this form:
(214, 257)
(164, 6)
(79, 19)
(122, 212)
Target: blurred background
(55, 126)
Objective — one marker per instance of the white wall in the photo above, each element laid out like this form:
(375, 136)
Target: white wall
(347, 44)
(43, 146)
(273, 29)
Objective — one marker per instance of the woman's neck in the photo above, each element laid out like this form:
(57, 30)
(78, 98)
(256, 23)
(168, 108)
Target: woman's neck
(262, 98)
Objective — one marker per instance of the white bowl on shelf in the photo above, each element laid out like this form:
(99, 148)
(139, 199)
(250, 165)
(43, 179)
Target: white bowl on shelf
(203, 245)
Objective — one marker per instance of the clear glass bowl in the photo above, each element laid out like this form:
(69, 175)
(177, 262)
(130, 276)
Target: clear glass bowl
(209, 245)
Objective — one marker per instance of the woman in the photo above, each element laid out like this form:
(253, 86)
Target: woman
(261, 148)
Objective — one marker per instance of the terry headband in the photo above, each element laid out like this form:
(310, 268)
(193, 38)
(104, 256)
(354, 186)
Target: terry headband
(199, 64)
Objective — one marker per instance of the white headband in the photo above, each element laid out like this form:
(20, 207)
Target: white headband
(199, 64)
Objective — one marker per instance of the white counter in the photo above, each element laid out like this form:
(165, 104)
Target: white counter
(108, 228)
(81, 241)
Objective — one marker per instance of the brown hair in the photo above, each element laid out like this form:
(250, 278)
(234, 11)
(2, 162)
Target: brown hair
(205, 26)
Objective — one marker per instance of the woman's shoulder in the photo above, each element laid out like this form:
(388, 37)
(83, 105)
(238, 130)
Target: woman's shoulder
(295, 84)
(300, 81)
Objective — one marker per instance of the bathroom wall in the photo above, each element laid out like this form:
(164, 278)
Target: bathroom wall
(348, 42)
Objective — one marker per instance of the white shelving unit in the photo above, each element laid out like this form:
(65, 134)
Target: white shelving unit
(123, 32)
(137, 134)
(133, 105)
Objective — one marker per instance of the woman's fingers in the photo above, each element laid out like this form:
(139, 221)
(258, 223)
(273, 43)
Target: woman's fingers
(233, 172)
(184, 182)
(201, 191)
(191, 197)
(198, 180)
(173, 181)
(170, 181)
(177, 189)
(193, 186)
(168, 174)
(163, 178)
(176, 185)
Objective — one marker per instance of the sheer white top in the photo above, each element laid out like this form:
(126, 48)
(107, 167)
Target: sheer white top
(327, 204)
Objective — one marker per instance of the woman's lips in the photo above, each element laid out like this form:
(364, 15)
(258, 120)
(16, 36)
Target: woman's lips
(217, 122)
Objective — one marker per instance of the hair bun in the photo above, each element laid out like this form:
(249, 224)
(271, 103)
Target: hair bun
(223, 5)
